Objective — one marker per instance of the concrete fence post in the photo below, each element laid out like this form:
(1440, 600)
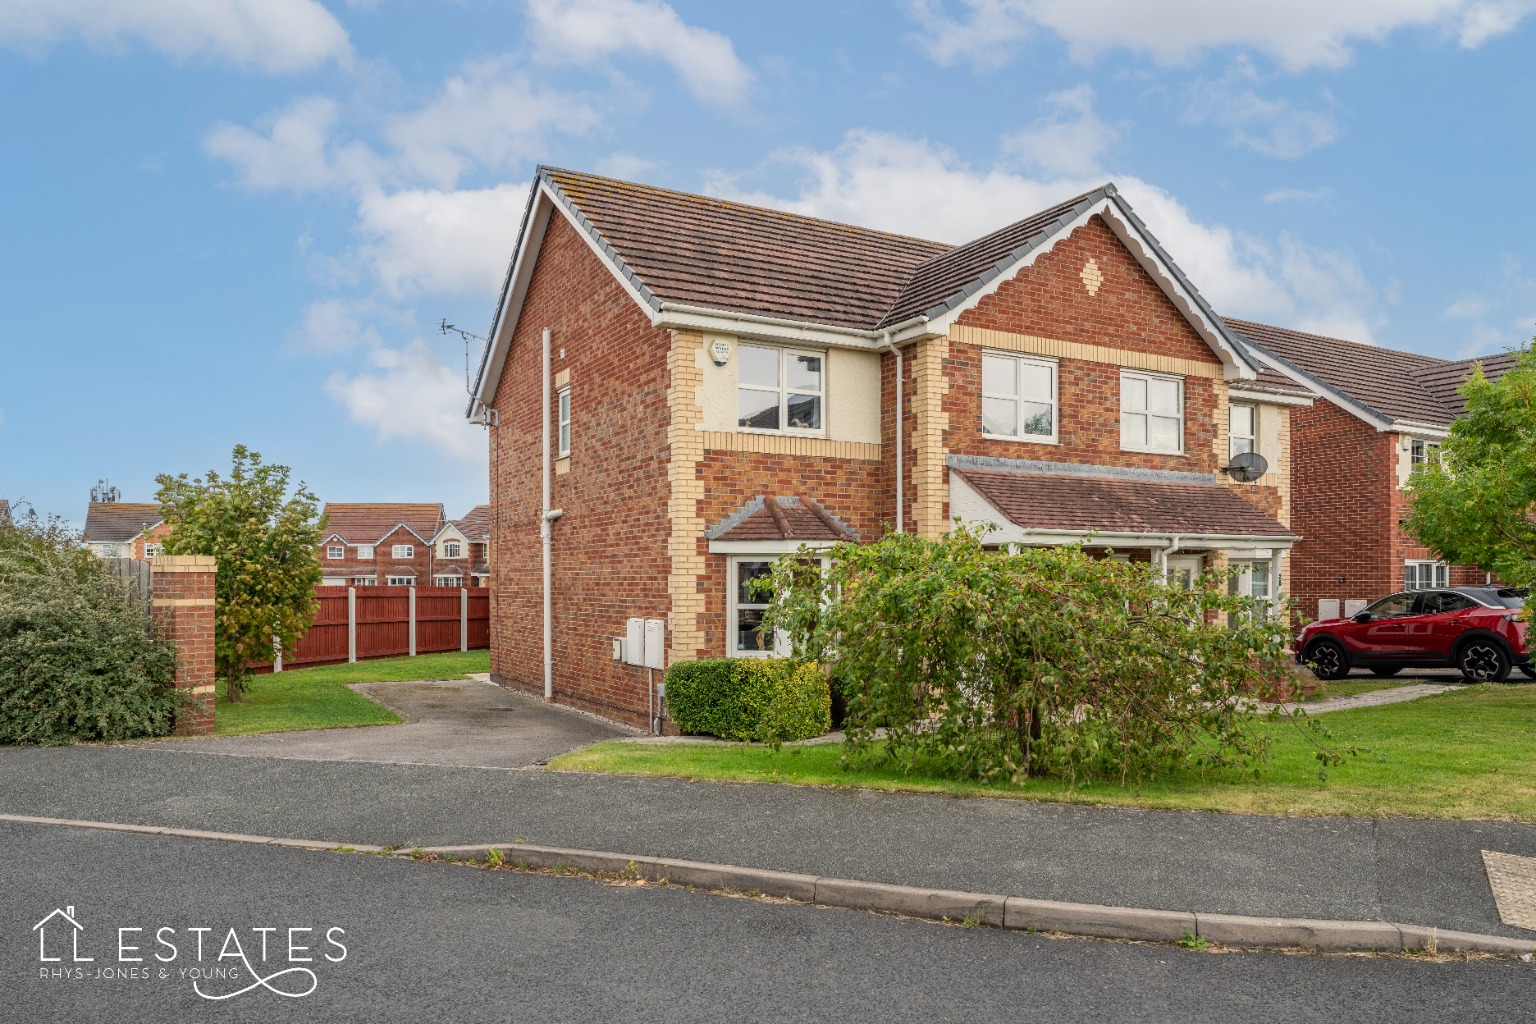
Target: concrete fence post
(277, 655)
(411, 602)
(183, 611)
(463, 619)
(351, 624)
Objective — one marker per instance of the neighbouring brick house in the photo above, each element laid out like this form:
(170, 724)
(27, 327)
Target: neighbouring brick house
(1379, 413)
(123, 529)
(381, 543)
(717, 384)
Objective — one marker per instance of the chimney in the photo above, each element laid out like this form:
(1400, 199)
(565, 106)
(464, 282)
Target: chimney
(70, 910)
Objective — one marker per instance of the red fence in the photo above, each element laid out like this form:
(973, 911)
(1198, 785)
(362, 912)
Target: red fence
(378, 624)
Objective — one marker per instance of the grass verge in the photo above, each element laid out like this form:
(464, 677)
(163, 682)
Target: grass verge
(318, 698)
(1467, 753)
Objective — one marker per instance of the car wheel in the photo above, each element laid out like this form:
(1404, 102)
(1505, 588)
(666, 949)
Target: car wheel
(1328, 660)
(1384, 671)
(1484, 661)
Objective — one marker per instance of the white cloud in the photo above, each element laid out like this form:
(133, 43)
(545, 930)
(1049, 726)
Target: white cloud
(491, 115)
(1069, 139)
(1298, 195)
(591, 31)
(261, 35)
(441, 241)
(1273, 127)
(338, 324)
(294, 150)
(915, 187)
(1298, 33)
(410, 394)
(625, 165)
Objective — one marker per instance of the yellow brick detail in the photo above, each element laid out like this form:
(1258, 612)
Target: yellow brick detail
(1089, 353)
(929, 386)
(685, 446)
(779, 444)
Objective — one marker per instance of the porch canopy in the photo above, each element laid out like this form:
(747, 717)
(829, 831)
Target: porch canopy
(1124, 509)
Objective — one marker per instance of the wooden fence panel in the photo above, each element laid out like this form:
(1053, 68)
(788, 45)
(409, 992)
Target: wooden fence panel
(383, 624)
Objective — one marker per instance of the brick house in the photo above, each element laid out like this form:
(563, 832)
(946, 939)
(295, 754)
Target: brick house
(379, 544)
(123, 529)
(679, 389)
(1379, 413)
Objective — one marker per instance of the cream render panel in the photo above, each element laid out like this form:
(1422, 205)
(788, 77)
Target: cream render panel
(851, 395)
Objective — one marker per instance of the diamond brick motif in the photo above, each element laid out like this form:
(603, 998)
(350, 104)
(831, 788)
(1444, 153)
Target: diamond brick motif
(1092, 276)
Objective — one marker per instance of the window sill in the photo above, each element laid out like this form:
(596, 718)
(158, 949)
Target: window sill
(1027, 439)
(782, 433)
(1153, 451)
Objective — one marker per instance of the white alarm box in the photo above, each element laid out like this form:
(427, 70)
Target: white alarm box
(655, 643)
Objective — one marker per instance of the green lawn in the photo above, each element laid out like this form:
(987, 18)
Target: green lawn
(318, 698)
(1468, 753)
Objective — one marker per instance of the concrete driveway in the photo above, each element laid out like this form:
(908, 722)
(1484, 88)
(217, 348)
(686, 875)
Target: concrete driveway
(466, 723)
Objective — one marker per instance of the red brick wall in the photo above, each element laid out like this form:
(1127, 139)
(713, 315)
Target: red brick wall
(610, 556)
(184, 614)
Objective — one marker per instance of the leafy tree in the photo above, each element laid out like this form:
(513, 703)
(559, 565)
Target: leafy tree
(1042, 661)
(264, 539)
(1477, 504)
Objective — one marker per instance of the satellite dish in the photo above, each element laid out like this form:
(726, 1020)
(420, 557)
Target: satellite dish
(1246, 467)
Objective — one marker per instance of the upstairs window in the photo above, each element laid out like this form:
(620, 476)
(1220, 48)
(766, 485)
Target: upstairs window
(335, 551)
(1151, 413)
(564, 417)
(365, 551)
(779, 389)
(1018, 397)
(451, 549)
(403, 551)
(1242, 430)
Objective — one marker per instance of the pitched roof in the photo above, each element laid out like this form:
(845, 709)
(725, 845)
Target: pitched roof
(698, 251)
(1393, 385)
(116, 521)
(1062, 501)
(369, 523)
(476, 523)
(781, 517)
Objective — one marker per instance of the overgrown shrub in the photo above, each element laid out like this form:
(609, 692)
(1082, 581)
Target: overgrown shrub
(77, 660)
(771, 700)
(992, 664)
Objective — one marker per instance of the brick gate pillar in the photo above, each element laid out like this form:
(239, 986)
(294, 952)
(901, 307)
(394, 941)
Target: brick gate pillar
(183, 609)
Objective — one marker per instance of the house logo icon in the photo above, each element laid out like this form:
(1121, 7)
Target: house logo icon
(60, 920)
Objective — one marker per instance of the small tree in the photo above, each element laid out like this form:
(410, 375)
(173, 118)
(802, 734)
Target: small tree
(264, 539)
(1476, 505)
(1043, 661)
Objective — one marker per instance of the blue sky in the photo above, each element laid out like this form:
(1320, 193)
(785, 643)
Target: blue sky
(240, 221)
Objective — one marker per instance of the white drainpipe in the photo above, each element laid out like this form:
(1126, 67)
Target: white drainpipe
(1174, 542)
(900, 489)
(547, 516)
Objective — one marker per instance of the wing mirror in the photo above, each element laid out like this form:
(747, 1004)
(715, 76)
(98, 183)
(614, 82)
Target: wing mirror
(1362, 617)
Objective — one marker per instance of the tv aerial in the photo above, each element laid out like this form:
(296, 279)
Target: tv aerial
(1246, 467)
(444, 327)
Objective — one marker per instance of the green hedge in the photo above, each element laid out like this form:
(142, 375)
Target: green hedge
(77, 659)
(771, 700)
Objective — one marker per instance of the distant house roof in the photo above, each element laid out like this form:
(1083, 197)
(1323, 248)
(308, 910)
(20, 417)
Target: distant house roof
(400, 570)
(476, 523)
(118, 521)
(370, 523)
(1094, 504)
(1393, 386)
(781, 517)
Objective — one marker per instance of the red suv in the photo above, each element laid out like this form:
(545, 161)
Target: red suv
(1475, 629)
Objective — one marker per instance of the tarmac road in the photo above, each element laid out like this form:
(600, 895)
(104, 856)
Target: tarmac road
(438, 942)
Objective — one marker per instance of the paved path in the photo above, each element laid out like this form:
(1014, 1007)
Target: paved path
(1370, 699)
(436, 942)
(1423, 872)
(449, 722)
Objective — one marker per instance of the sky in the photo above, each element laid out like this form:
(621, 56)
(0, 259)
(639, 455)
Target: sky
(242, 221)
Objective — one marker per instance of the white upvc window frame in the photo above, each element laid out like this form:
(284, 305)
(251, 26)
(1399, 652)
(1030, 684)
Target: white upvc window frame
(1415, 571)
(452, 549)
(1018, 398)
(447, 581)
(1129, 375)
(401, 581)
(784, 391)
(402, 551)
(563, 422)
(734, 605)
(365, 552)
(365, 581)
(335, 552)
(1233, 436)
(1421, 451)
(152, 551)
(1254, 579)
